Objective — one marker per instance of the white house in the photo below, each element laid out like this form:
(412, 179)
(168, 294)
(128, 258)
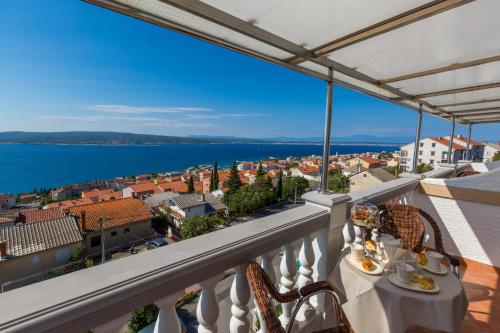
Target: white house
(188, 205)
(307, 172)
(7, 201)
(432, 150)
(489, 151)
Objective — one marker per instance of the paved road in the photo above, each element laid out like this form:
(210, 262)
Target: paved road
(267, 211)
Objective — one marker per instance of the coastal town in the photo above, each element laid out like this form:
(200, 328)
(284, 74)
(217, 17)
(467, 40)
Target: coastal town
(51, 232)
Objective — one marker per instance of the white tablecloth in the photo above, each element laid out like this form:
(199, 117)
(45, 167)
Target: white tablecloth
(374, 305)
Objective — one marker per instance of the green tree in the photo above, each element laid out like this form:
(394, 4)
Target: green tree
(234, 182)
(291, 183)
(339, 183)
(261, 180)
(422, 168)
(250, 198)
(190, 185)
(496, 157)
(77, 252)
(142, 317)
(160, 221)
(395, 170)
(279, 186)
(199, 225)
(214, 181)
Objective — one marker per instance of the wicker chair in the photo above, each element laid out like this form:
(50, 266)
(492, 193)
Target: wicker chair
(406, 222)
(264, 292)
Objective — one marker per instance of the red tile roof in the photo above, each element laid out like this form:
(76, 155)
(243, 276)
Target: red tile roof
(472, 142)
(114, 213)
(177, 186)
(70, 203)
(144, 187)
(446, 142)
(38, 215)
(369, 160)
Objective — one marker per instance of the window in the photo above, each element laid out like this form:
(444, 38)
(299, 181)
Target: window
(420, 152)
(95, 241)
(433, 144)
(126, 230)
(432, 162)
(432, 153)
(364, 175)
(419, 160)
(35, 260)
(421, 144)
(114, 233)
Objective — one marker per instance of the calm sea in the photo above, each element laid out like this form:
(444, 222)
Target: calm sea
(23, 167)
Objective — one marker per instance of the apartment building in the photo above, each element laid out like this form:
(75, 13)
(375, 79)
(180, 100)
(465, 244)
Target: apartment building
(432, 150)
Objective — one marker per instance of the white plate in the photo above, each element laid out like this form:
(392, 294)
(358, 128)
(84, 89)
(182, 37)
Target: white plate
(378, 269)
(441, 271)
(412, 285)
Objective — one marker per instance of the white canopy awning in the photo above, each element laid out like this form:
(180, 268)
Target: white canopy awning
(443, 54)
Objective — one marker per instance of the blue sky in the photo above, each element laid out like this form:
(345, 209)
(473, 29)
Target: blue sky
(68, 65)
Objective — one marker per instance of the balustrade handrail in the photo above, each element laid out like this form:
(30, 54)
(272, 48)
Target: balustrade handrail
(94, 296)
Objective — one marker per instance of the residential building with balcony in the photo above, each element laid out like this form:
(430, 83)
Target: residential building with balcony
(433, 151)
(490, 149)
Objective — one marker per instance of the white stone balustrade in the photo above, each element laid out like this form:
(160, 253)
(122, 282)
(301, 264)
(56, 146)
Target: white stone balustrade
(207, 311)
(288, 269)
(240, 296)
(162, 275)
(168, 321)
(306, 259)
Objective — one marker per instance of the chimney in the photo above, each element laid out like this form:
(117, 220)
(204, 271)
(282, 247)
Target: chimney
(83, 222)
(3, 249)
(202, 197)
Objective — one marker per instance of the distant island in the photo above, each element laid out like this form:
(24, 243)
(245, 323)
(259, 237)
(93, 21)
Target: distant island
(118, 138)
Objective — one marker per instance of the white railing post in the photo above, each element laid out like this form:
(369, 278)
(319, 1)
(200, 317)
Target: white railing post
(306, 258)
(288, 270)
(207, 311)
(168, 321)
(114, 326)
(240, 296)
(320, 248)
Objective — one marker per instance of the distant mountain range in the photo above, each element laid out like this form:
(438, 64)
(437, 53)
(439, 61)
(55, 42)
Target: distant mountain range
(117, 138)
(317, 139)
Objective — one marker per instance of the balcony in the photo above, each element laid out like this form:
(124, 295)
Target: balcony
(101, 298)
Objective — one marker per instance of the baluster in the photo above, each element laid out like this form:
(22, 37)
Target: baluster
(359, 235)
(113, 326)
(207, 311)
(348, 233)
(267, 266)
(288, 270)
(240, 296)
(167, 320)
(306, 258)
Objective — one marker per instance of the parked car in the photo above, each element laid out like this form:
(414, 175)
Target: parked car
(156, 243)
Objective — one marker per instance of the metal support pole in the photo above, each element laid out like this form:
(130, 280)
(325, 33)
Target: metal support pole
(328, 129)
(467, 151)
(417, 139)
(103, 248)
(450, 146)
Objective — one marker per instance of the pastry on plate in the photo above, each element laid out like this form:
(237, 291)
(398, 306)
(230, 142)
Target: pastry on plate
(421, 259)
(415, 278)
(367, 265)
(370, 245)
(426, 283)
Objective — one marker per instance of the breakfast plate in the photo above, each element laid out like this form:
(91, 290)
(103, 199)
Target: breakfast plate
(441, 271)
(415, 286)
(377, 268)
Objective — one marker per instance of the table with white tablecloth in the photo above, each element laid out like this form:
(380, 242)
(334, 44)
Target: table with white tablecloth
(374, 305)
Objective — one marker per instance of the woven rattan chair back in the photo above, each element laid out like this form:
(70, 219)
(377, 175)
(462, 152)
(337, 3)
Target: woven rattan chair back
(404, 222)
